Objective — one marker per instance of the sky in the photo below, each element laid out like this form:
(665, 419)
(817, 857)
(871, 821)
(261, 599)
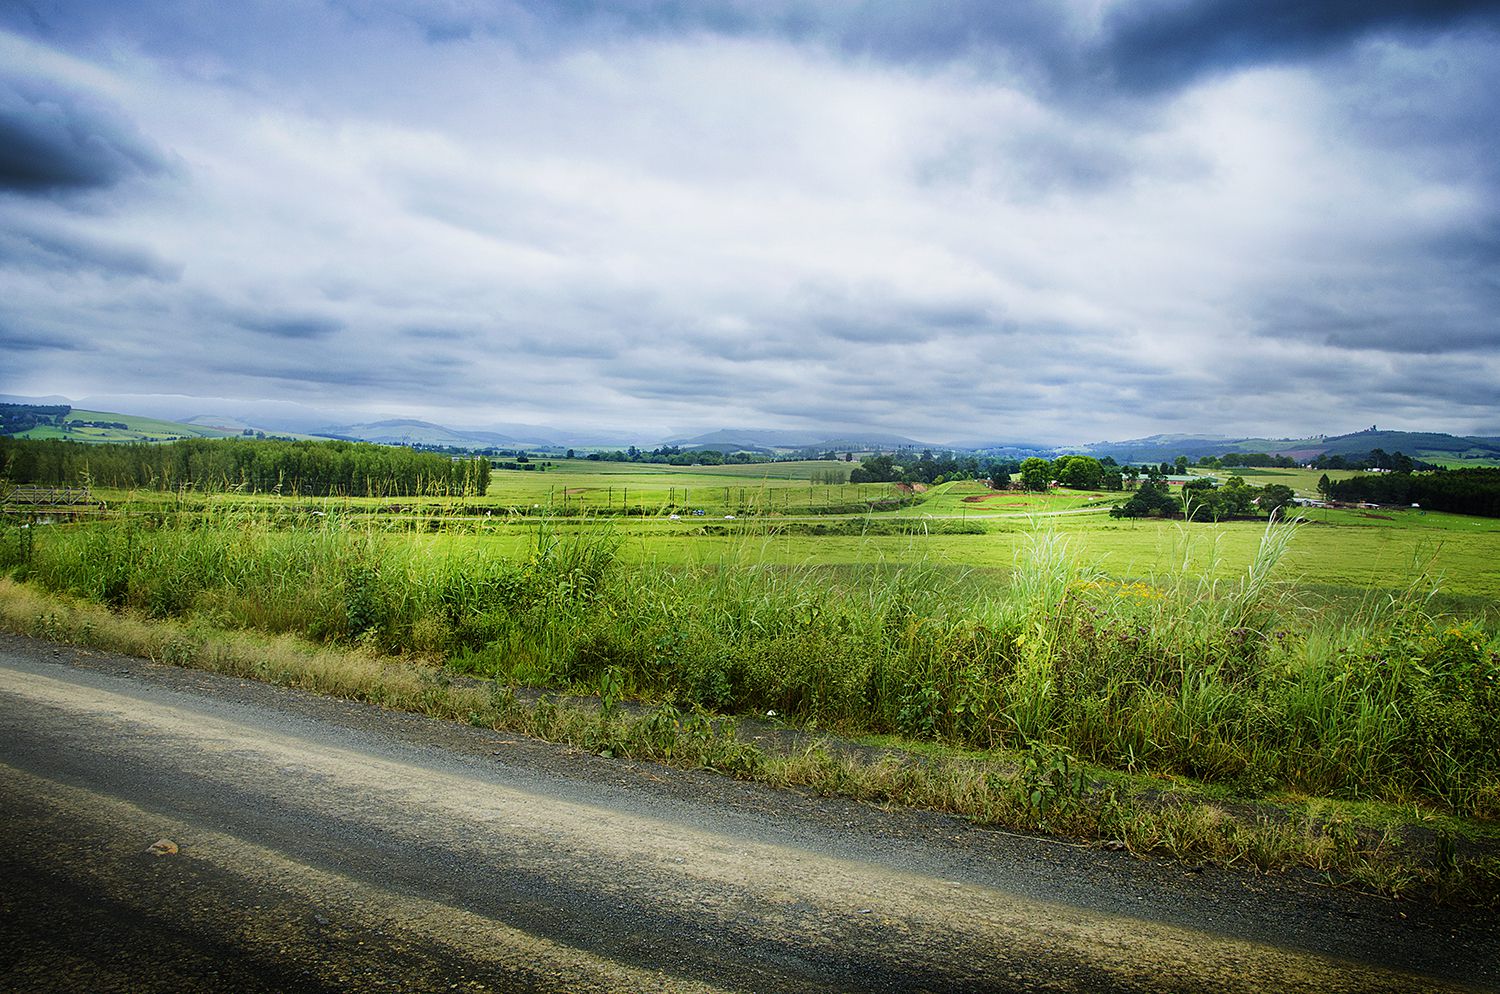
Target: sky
(957, 220)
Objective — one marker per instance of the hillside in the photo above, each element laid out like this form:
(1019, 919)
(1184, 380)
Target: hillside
(109, 426)
(775, 439)
(1430, 446)
(409, 431)
(1435, 447)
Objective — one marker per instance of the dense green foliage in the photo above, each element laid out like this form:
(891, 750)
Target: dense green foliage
(16, 418)
(673, 455)
(1255, 459)
(1150, 500)
(1035, 473)
(1374, 459)
(1203, 500)
(1229, 682)
(1462, 491)
(355, 469)
(928, 468)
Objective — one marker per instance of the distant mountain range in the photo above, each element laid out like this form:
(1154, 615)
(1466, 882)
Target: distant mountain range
(408, 431)
(773, 439)
(1429, 446)
(1418, 444)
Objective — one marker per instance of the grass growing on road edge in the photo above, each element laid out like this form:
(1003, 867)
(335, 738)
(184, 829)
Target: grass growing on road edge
(1042, 788)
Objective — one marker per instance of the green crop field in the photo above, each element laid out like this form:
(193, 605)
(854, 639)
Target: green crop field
(1459, 556)
(780, 518)
(643, 489)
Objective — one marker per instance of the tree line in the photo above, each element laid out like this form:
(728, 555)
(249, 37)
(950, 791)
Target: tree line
(929, 468)
(314, 469)
(1462, 491)
(673, 455)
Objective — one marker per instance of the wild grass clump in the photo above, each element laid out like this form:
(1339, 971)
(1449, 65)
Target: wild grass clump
(1231, 682)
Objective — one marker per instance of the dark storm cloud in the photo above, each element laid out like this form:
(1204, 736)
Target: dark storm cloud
(16, 337)
(864, 327)
(293, 326)
(1029, 33)
(53, 139)
(1162, 43)
(1141, 46)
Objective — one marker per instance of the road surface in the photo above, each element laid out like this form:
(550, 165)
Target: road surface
(323, 845)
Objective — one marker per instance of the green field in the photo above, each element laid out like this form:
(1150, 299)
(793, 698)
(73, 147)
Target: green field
(1461, 557)
(1336, 548)
(1304, 482)
(780, 518)
(642, 489)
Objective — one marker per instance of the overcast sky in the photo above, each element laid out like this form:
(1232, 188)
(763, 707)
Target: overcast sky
(953, 219)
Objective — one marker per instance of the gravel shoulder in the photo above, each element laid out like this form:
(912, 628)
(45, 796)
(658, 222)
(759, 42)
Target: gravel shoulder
(325, 844)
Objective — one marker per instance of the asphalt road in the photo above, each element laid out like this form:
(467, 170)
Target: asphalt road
(324, 845)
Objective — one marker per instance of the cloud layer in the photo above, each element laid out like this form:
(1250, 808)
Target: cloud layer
(953, 220)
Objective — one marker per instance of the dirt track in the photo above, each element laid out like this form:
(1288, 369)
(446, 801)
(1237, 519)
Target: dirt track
(330, 846)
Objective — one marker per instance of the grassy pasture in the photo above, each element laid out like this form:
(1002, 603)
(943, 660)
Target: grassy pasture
(1462, 557)
(574, 486)
(1304, 482)
(968, 498)
(1338, 548)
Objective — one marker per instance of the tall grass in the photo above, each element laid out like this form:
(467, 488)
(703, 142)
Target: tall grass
(1232, 682)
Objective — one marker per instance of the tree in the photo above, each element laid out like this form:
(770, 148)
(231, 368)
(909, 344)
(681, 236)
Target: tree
(1274, 496)
(1150, 500)
(875, 469)
(1079, 472)
(1238, 496)
(1036, 474)
(1325, 486)
(1181, 465)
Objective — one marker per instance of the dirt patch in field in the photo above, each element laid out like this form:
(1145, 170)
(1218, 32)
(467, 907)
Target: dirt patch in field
(979, 498)
(1382, 517)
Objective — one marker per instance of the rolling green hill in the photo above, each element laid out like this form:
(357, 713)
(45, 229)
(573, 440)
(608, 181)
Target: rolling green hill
(107, 426)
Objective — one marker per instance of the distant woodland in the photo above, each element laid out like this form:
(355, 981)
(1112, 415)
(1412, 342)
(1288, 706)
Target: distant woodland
(1463, 491)
(16, 418)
